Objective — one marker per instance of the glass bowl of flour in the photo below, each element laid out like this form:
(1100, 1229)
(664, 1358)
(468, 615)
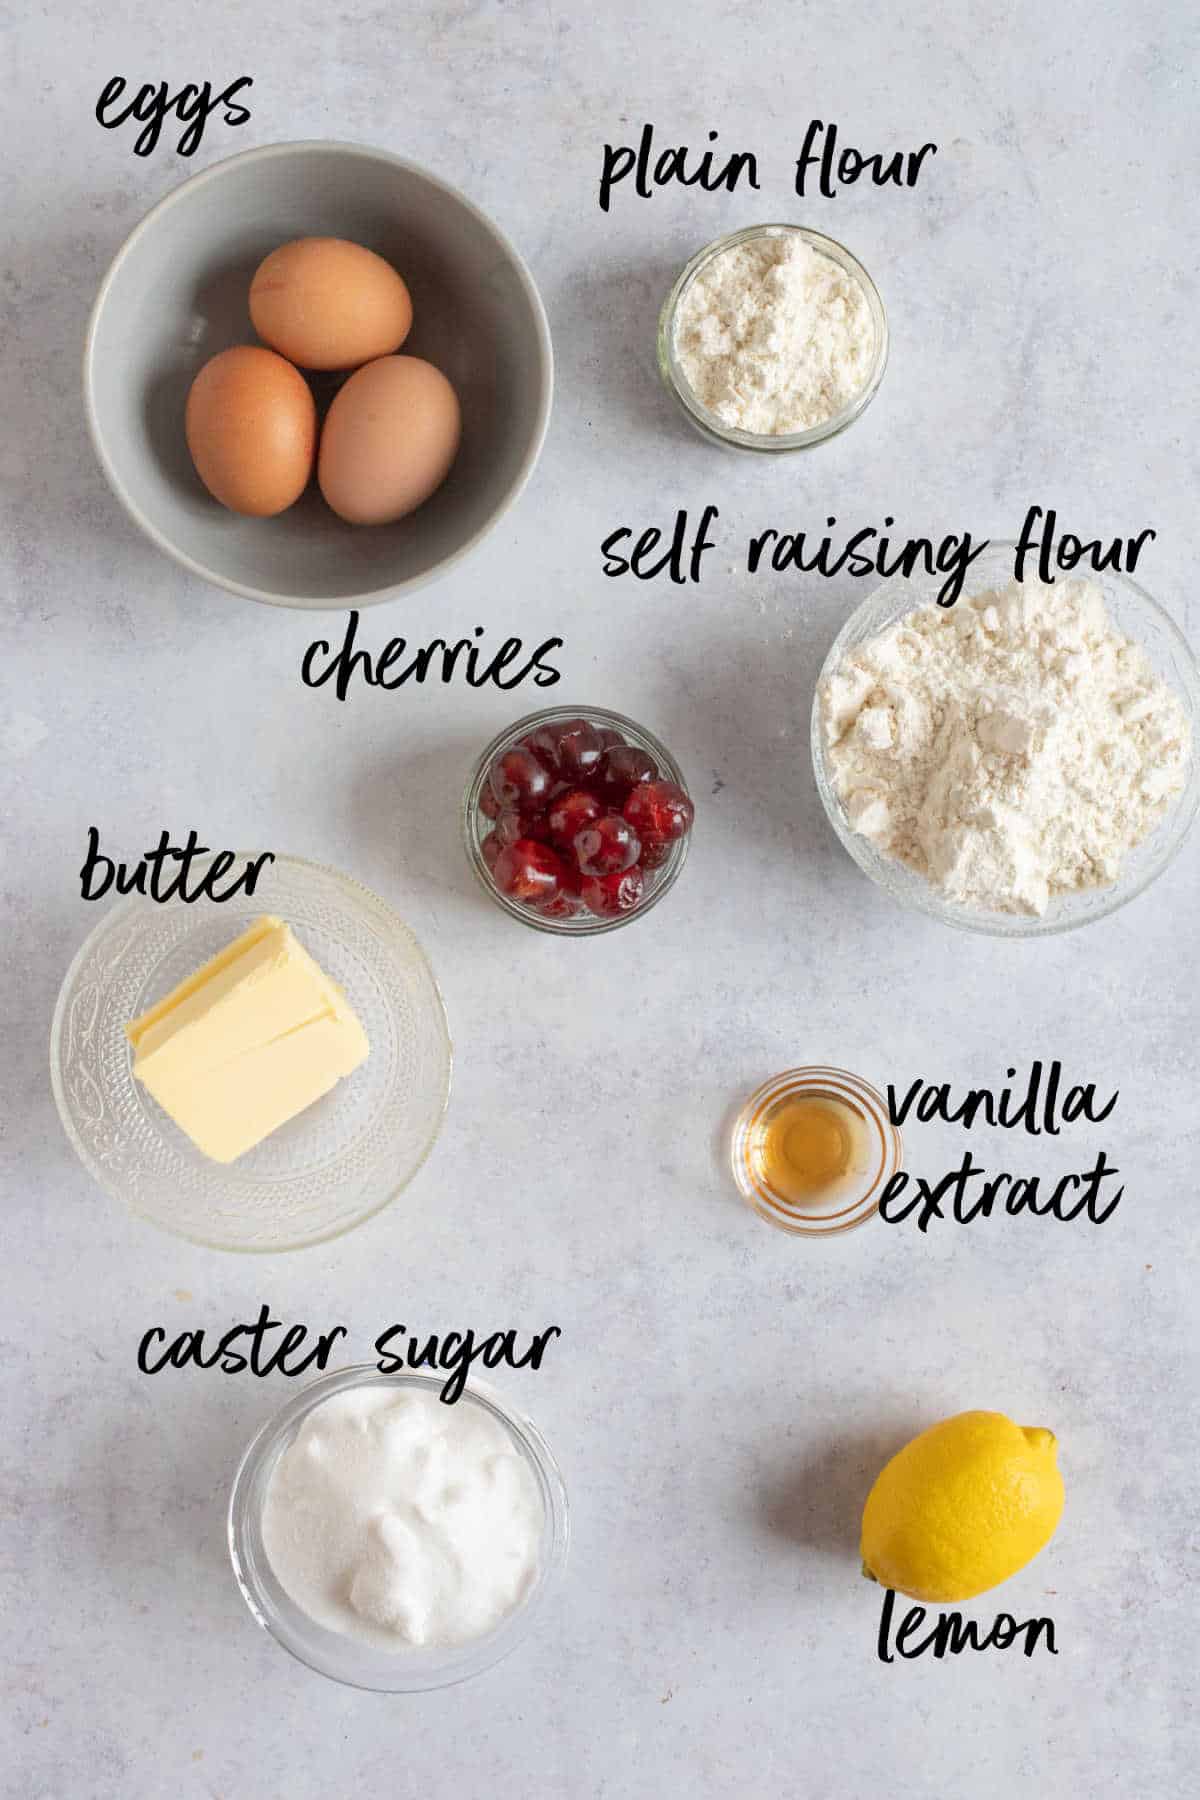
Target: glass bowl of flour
(1019, 764)
(773, 339)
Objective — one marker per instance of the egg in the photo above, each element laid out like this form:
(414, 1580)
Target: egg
(251, 426)
(389, 440)
(326, 303)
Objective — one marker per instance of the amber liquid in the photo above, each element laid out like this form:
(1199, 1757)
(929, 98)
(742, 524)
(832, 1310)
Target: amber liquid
(808, 1148)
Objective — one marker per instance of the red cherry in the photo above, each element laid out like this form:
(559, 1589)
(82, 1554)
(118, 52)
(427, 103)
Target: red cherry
(512, 825)
(544, 744)
(569, 813)
(530, 743)
(518, 779)
(659, 809)
(621, 770)
(619, 892)
(490, 849)
(489, 806)
(563, 906)
(571, 749)
(655, 852)
(611, 739)
(527, 871)
(571, 879)
(608, 847)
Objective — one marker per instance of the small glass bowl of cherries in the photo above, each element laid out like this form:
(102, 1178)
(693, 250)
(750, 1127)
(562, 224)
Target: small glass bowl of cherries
(576, 820)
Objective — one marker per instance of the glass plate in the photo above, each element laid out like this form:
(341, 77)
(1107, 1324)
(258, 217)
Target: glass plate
(325, 1171)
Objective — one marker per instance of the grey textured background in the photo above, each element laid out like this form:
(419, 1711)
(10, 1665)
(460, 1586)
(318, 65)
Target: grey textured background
(723, 1395)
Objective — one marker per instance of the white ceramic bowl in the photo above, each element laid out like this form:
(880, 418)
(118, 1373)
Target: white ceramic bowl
(178, 292)
(342, 1658)
(1141, 619)
(332, 1166)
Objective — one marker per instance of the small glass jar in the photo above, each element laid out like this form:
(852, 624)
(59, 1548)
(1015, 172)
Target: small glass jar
(476, 825)
(729, 436)
(879, 1151)
(347, 1659)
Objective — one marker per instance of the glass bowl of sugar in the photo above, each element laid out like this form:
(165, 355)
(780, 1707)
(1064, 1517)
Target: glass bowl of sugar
(773, 339)
(391, 1541)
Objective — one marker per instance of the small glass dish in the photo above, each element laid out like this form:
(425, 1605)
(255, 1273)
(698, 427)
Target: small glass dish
(881, 1151)
(326, 1170)
(476, 825)
(346, 1659)
(1143, 621)
(729, 436)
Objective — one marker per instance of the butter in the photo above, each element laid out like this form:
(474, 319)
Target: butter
(247, 1042)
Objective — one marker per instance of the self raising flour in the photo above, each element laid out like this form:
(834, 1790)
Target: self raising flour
(1012, 749)
(774, 337)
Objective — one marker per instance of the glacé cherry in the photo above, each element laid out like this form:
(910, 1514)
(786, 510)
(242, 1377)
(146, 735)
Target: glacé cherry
(655, 852)
(607, 847)
(659, 809)
(621, 769)
(571, 748)
(512, 825)
(569, 812)
(620, 892)
(528, 871)
(519, 779)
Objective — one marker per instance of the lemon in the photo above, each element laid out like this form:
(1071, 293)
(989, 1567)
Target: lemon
(962, 1507)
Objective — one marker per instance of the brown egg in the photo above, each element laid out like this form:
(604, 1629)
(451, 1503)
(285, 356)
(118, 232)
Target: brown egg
(388, 440)
(325, 303)
(252, 430)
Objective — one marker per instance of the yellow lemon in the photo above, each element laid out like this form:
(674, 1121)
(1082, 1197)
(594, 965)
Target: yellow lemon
(962, 1507)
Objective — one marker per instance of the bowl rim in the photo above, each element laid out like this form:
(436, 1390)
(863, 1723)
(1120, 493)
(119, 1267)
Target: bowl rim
(132, 903)
(464, 1661)
(1177, 820)
(185, 189)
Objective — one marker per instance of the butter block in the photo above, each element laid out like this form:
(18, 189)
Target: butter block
(247, 1042)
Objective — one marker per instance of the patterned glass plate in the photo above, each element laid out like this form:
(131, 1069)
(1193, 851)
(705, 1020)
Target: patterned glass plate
(325, 1171)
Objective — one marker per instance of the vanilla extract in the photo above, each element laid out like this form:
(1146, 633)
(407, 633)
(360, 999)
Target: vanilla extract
(811, 1150)
(1072, 1196)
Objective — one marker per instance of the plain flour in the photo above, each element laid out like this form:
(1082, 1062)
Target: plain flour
(774, 338)
(1010, 749)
